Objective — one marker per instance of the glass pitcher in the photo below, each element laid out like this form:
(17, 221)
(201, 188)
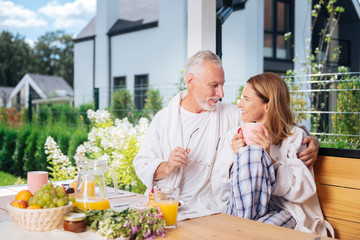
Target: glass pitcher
(91, 190)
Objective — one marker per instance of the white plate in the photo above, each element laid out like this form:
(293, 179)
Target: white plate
(138, 205)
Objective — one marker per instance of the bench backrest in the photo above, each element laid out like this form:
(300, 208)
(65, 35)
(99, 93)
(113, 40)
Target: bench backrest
(338, 186)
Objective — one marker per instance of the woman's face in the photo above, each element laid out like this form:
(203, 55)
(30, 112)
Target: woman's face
(253, 108)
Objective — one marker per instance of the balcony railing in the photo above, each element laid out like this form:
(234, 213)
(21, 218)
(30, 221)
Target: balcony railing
(327, 104)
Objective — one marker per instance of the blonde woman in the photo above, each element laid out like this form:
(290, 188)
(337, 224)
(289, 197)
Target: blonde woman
(267, 181)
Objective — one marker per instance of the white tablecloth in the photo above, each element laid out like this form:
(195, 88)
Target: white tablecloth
(9, 231)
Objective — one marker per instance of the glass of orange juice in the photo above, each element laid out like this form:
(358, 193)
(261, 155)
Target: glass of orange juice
(168, 201)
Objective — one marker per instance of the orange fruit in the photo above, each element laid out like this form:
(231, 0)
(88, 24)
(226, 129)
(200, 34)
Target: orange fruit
(20, 204)
(23, 195)
(34, 207)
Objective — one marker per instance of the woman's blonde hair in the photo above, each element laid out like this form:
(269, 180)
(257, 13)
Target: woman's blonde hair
(273, 90)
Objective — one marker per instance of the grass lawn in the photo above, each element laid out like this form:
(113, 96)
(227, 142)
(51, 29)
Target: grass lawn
(8, 179)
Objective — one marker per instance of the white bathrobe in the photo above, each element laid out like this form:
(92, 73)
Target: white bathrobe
(165, 134)
(295, 188)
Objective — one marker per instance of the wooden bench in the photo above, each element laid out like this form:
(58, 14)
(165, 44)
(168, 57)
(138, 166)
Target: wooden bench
(337, 174)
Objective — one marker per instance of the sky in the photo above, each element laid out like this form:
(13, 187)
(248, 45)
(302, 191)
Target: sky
(33, 18)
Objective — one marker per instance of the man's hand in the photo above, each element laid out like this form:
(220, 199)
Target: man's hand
(177, 158)
(309, 155)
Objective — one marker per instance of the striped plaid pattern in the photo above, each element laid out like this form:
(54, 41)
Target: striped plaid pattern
(251, 182)
(277, 216)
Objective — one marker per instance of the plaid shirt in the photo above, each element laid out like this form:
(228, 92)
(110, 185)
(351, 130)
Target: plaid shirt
(252, 180)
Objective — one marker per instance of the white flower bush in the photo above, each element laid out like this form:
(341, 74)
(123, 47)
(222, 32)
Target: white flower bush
(116, 142)
(61, 168)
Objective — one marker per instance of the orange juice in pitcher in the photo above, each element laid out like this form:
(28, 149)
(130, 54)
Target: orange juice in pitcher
(94, 204)
(91, 192)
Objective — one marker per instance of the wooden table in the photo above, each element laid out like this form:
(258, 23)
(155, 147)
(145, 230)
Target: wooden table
(217, 226)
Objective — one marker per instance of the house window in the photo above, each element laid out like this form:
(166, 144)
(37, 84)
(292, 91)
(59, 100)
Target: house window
(278, 20)
(119, 83)
(34, 94)
(140, 89)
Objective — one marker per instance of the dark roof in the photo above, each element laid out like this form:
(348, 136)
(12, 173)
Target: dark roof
(5, 94)
(6, 91)
(134, 15)
(88, 32)
(123, 26)
(50, 84)
(134, 10)
(236, 4)
(350, 15)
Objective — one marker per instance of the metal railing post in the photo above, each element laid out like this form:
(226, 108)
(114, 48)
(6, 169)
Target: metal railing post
(96, 98)
(30, 108)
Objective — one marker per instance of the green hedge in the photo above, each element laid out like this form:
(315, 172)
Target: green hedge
(30, 149)
(23, 148)
(8, 150)
(18, 157)
(78, 137)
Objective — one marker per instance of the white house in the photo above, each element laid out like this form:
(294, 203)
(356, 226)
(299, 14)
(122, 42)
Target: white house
(42, 88)
(4, 95)
(135, 44)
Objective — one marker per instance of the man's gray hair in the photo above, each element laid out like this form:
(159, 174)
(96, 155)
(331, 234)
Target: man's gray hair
(195, 62)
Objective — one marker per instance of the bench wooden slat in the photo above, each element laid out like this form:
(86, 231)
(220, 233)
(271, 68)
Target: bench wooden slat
(338, 171)
(338, 187)
(338, 202)
(345, 229)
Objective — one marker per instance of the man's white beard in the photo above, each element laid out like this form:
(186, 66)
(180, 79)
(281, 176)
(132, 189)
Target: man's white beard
(204, 105)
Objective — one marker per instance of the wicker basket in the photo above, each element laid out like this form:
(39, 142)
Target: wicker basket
(39, 220)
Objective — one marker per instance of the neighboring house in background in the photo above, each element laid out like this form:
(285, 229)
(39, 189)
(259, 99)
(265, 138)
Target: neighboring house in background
(135, 44)
(4, 95)
(43, 89)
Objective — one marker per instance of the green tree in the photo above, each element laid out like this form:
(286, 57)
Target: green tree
(43, 114)
(122, 104)
(8, 150)
(66, 54)
(345, 120)
(15, 58)
(30, 163)
(54, 55)
(18, 157)
(325, 17)
(83, 112)
(77, 137)
(153, 103)
(40, 156)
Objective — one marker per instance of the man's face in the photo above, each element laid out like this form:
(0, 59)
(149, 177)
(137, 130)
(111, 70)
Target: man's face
(208, 86)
